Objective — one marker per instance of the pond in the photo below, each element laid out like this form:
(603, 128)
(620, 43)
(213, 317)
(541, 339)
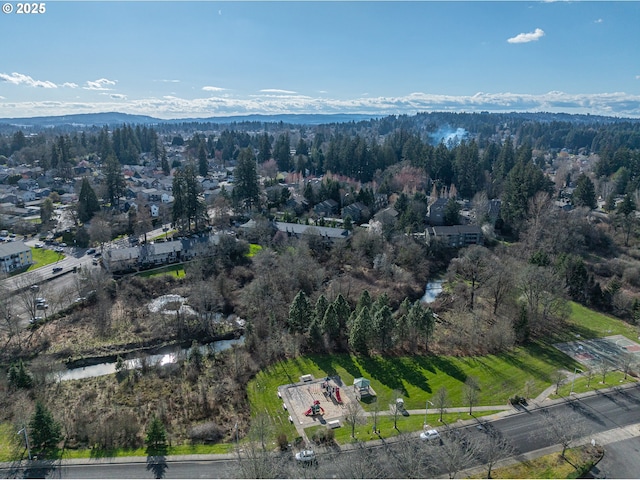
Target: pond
(173, 356)
(432, 290)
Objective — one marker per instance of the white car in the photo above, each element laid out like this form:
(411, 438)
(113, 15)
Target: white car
(430, 435)
(306, 456)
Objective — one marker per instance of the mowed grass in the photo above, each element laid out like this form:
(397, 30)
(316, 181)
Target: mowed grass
(42, 257)
(385, 425)
(582, 384)
(141, 452)
(591, 324)
(416, 379)
(173, 270)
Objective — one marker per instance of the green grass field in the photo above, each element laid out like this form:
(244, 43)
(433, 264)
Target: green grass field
(8, 439)
(385, 425)
(612, 379)
(173, 270)
(591, 324)
(43, 256)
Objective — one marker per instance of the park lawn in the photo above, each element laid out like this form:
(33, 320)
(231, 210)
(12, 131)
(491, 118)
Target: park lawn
(417, 378)
(42, 257)
(176, 270)
(612, 379)
(591, 324)
(385, 425)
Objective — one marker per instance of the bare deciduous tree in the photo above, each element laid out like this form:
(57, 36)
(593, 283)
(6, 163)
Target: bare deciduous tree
(493, 447)
(564, 429)
(456, 451)
(353, 416)
(441, 400)
(471, 391)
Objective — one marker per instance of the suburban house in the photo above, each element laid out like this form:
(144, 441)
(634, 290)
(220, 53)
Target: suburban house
(160, 253)
(455, 236)
(14, 255)
(328, 208)
(435, 215)
(298, 229)
(358, 212)
(121, 259)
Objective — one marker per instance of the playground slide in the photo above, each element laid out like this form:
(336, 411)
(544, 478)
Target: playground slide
(338, 395)
(308, 412)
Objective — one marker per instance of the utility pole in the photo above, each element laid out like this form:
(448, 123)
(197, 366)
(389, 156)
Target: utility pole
(26, 440)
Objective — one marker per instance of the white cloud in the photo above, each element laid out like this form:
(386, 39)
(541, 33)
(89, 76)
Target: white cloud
(213, 89)
(277, 90)
(169, 106)
(167, 81)
(598, 21)
(527, 37)
(637, 77)
(20, 79)
(70, 85)
(118, 96)
(100, 84)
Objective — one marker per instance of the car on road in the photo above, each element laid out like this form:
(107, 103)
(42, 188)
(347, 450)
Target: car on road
(39, 245)
(41, 300)
(306, 457)
(430, 435)
(57, 269)
(97, 255)
(42, 306)
(91, 251)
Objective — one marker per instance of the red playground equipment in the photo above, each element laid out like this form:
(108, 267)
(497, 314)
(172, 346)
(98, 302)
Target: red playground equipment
(315, 409)
(331, 391)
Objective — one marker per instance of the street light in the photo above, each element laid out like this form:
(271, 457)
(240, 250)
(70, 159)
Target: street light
(574, 379)
(26, 440)
(426, 408)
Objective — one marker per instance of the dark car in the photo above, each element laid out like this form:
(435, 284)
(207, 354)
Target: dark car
(57, 269)
(91, 251)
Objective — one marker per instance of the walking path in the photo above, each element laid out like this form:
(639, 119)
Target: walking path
(541, 401)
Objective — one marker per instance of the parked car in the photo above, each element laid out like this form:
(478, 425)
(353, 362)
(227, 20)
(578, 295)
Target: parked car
(307, 457)
(57, 269)
(41, 300)
(91, 251)
(42, 306)
(430, 435)
(97, 255)
(36, 320)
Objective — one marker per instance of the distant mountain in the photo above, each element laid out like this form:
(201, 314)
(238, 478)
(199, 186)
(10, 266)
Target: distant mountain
(116, 118)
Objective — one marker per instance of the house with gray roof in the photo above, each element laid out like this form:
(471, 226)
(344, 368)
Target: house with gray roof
(14, 256)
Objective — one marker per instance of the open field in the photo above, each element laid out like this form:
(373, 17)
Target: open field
(43, 256)
(591, 324)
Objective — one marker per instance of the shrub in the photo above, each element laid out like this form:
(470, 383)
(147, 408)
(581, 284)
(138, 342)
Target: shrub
(208, 432)
(283, 443)
(324, 436)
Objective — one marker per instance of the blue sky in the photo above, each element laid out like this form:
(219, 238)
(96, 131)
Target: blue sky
(179, 59)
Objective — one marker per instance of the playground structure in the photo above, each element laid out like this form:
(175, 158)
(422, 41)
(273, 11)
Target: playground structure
(315, 409)
(331, 391)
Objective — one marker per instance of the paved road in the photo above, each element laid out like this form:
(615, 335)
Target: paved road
(611, 416)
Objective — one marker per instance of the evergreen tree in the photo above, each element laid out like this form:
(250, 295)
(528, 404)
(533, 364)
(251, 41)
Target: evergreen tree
(88, 203)
(451, 214)
(165, 162)
(246, 192)
(584, 194)
(359, 332)
(343, 311)
(44, 432)
(19, 376)
(282, 153)
(264, 148)
(189, 207)
(321, 307)
(421, 319)
(330, 322)
(383, 326)
(203, 164)
(300, 313)
(46, 211)
(365, 301)
(114, 180)
(156, 436)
